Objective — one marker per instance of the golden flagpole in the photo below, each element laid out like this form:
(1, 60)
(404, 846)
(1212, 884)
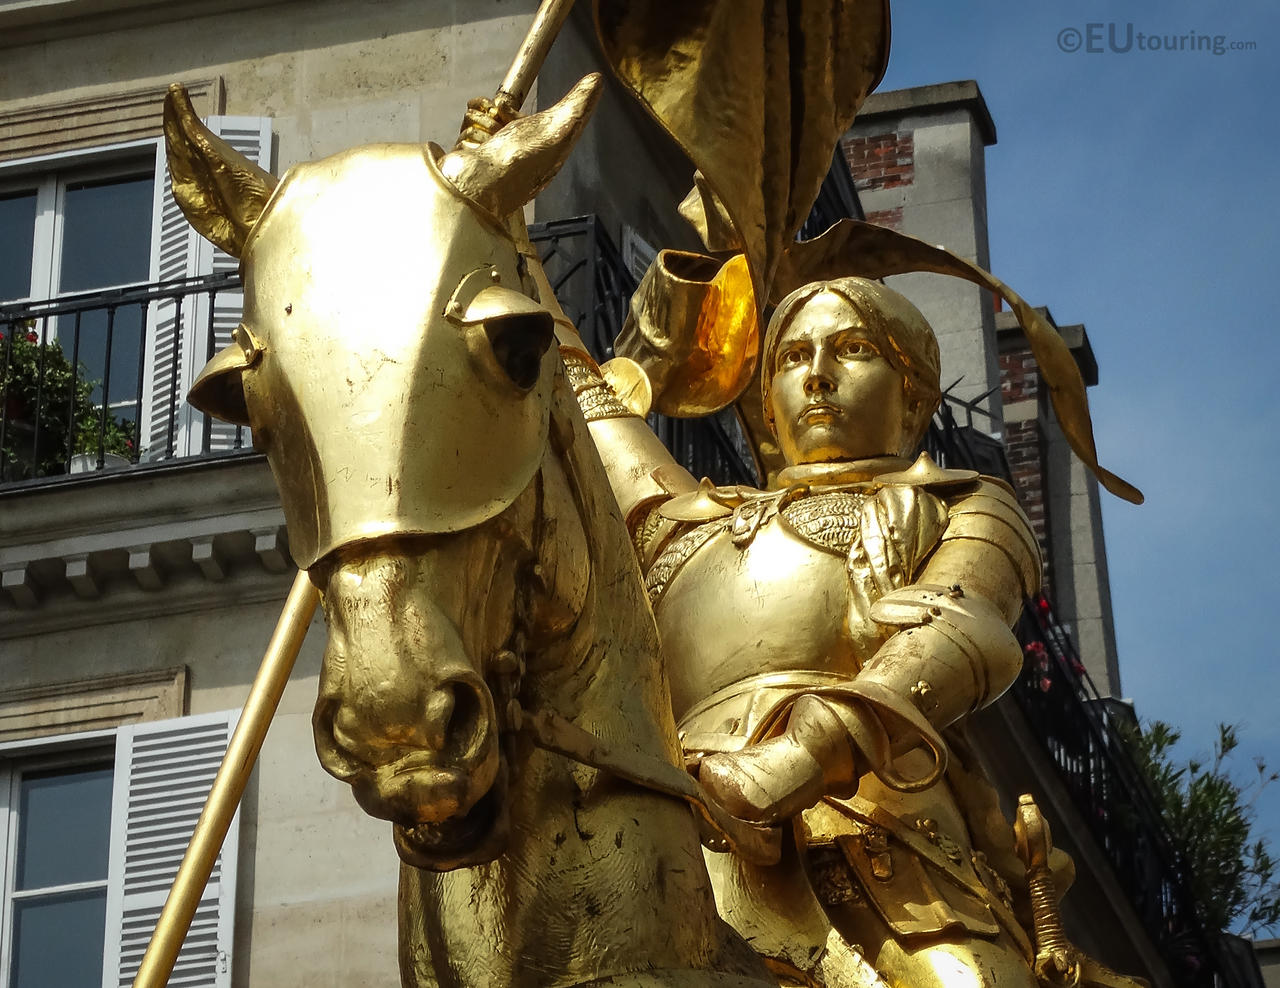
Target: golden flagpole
(228, 785)
(528, 61)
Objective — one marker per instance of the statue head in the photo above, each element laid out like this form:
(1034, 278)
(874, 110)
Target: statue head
(850, 370)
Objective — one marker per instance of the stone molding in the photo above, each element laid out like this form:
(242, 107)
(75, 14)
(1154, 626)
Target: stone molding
(938, 98)
(92, 704)
(94, 121)
(25, 22)
(134, 544)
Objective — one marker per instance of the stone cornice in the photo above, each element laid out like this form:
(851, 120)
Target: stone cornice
(922, 100)
(114, 116)
(132, 544)
(30, 21)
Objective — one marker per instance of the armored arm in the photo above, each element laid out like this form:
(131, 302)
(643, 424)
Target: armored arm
(641, 471)
(954, 651)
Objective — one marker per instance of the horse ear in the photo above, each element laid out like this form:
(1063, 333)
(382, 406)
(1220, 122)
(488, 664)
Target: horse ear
(516, 164)
(222, 193)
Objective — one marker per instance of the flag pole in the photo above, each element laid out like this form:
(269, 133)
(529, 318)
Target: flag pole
(228, 785)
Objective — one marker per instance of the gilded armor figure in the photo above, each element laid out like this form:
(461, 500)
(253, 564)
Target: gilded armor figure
(821, 636)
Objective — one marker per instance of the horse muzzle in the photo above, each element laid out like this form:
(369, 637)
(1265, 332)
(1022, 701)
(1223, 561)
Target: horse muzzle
(403, 716)
(413, 772)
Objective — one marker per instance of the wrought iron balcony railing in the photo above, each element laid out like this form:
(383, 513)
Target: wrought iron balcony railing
(94, 380)
(1083, 733)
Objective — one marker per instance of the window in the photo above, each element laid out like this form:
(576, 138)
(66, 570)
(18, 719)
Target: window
(58, 848)
(92, 829)
(18, 225)
(83, 228)
(105, 218)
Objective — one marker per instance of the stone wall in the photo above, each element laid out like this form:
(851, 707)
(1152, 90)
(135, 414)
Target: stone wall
(316, 881)
(918, 160)
(329, 74)
(1061, 498)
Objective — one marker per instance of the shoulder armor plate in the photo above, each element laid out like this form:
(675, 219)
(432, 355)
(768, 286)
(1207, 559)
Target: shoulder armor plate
(991, 514)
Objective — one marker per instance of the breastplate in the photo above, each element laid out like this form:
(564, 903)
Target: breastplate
(765, 589)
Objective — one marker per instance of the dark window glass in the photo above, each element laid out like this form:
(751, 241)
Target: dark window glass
(106, 241)
(106, 233)
(91, 350)
(17, 239)
(64, 822)
(58, 940)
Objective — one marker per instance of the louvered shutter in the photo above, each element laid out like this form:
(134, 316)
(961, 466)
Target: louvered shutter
(164, 770)
(179, 331)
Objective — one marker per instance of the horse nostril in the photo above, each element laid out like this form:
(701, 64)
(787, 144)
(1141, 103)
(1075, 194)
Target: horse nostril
(456, 713)
(334, 757)
(439, 714)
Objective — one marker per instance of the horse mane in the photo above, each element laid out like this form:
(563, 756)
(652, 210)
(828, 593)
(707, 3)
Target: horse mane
(611, 671)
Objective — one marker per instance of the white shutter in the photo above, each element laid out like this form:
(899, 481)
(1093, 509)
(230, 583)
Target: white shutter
(164, 770)
(165, 422)
(180, 345)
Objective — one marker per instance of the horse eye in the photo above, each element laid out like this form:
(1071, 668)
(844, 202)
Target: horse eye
(518, 343)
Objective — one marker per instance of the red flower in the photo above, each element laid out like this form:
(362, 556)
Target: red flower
(1046, 684)
(32, 338)
(1042, 605)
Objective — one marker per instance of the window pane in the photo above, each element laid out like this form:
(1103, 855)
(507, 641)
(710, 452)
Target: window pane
(17, 236)
(58, 940)
(64, 822)
(106, 233)
(126, 344)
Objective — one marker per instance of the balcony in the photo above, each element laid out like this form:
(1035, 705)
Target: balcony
(59, 418)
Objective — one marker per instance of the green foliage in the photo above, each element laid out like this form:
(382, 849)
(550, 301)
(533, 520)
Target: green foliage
(63, 400)
(1211, 817)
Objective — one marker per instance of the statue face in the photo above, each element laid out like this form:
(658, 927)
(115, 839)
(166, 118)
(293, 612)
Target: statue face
(835, 397)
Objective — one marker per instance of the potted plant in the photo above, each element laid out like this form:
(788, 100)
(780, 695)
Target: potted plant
(42, 398)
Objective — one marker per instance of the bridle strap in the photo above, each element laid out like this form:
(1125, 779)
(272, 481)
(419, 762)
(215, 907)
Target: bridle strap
(721, 831)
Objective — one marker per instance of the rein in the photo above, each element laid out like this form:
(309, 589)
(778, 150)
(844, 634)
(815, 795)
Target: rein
(551, 731)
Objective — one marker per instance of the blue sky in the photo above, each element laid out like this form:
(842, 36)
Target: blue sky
(1137, 193)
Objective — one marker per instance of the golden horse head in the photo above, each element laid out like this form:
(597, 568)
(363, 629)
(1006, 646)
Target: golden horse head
(395, 364)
